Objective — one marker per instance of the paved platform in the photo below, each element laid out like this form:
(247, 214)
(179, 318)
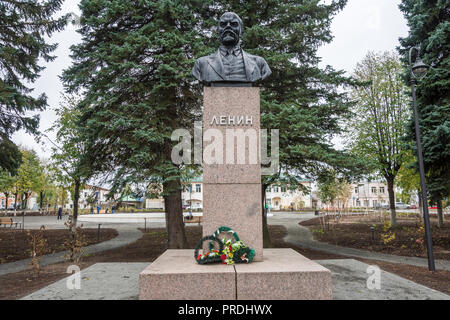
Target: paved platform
(119, 281)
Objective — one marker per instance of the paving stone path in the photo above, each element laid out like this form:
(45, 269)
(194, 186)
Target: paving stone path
(302, 237)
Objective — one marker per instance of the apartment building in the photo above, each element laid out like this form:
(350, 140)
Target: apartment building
(368, 194)
(279, 197)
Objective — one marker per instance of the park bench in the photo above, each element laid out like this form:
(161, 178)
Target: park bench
(193, 220)
(8, 222)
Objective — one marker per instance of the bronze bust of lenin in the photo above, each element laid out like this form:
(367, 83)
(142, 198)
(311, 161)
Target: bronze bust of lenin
(230, 64)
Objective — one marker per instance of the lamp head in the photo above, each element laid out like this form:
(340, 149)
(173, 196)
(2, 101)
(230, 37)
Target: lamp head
(419, 69)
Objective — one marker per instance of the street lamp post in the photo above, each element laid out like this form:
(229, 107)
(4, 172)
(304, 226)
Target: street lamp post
(190, 200)
(419, 70)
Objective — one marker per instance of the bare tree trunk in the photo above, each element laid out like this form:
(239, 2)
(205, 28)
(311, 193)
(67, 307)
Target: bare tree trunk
(267, 242)
(6, 205)
(41, 202)
(174, 215)
(391, 192)
(420, 204)
(76, 199)
(62, 198)
(15, 203)
(440, 214)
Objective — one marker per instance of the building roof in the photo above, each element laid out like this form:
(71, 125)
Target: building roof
(96, 188)
(130, 199)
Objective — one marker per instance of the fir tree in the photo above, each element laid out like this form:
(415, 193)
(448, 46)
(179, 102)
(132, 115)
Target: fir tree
(135, 65)
(429, 23)
(23, 26)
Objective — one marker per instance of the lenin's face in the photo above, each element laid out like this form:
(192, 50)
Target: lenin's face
(229, 29)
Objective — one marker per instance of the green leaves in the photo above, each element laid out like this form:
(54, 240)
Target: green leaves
(69, 152)
(380, 113)
(10, 156)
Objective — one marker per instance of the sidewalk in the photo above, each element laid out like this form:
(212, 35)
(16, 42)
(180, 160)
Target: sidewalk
(120, 281)
(302, 237)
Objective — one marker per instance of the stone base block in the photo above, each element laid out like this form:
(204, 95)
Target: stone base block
(176, 276)
(283, 275)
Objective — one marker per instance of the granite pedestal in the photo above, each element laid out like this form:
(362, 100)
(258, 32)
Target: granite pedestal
(283, 275)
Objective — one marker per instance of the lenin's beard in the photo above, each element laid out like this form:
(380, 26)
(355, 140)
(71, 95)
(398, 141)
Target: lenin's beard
(229, 38)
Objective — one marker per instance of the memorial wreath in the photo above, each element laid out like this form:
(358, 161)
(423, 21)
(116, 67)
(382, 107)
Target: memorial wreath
(229, 251)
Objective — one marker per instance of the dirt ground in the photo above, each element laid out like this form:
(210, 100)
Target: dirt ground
(407, 239)
(154, 242)
(15, 244)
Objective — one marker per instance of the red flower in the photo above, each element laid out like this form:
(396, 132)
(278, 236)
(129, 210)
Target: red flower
(230, 248)
(199, 256)
(223, 257)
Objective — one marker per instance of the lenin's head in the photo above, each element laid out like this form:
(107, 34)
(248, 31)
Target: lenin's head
(230, 29)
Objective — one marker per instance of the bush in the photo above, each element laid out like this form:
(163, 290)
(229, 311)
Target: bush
(39, 247)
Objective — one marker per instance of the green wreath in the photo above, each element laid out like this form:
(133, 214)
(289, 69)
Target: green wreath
(211, 256)
(224, 229)
(232, 252)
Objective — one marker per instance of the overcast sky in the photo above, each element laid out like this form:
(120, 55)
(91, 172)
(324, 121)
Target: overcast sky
(363, 25)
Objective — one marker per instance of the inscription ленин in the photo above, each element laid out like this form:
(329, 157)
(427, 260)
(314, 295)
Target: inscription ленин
(232, 120)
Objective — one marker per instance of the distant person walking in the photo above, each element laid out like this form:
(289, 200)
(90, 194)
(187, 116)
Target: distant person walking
(60, 210)
(98, 209)
(92, 210)
(106, 211)
(113, 209)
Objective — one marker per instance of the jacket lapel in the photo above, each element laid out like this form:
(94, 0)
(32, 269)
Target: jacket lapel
(216, 64)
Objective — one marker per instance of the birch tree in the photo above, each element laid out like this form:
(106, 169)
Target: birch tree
(380, 116)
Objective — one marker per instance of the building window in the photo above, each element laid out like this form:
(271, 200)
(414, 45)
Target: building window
(374, 190)
(382, 190)
(283, 189)
(190, 188)
(275, 189)
(198, 188)
(356, 190)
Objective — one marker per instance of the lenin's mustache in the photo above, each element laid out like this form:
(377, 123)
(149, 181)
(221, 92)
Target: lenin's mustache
(228, 31)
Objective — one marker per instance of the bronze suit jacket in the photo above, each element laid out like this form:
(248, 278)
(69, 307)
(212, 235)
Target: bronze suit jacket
(210, 68)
